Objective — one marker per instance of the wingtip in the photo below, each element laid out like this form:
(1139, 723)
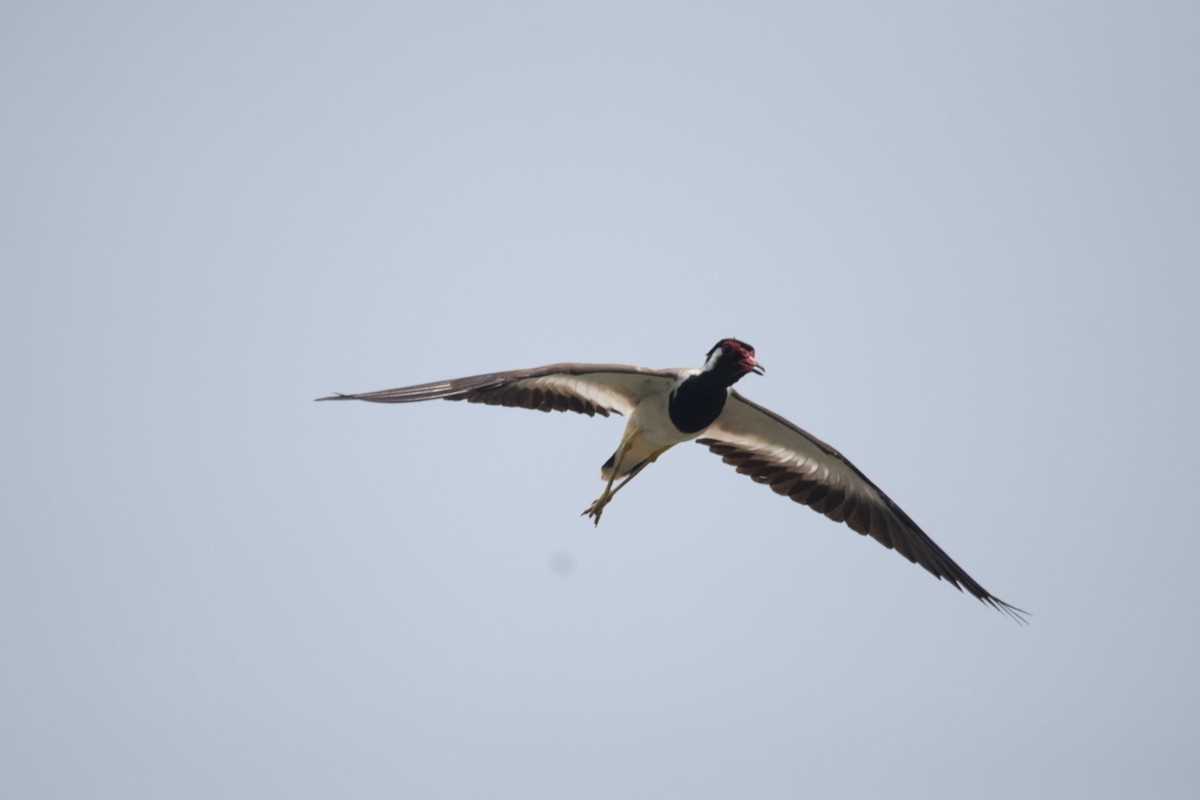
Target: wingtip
(1017, 615)
(334, 396)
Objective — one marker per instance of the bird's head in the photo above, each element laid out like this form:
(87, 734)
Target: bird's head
(732, 359)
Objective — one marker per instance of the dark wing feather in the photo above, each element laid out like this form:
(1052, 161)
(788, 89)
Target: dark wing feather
(798, 465)
(583, 388)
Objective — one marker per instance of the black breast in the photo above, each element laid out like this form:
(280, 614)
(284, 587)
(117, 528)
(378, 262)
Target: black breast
(697, 403)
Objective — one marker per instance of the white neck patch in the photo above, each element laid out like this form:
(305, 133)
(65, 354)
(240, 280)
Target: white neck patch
(711, 364)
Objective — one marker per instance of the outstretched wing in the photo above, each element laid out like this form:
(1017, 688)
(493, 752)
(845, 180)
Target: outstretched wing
(798, 465)
(584, 388)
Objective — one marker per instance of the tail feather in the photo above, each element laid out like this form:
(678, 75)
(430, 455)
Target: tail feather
(606, 472)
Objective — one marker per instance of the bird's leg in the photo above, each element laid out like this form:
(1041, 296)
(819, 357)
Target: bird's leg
(632, 474)
(597, 507)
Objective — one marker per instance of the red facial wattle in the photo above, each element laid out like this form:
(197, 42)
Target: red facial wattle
(747, 361)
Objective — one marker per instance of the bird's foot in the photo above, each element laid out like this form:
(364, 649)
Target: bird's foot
(597, 508)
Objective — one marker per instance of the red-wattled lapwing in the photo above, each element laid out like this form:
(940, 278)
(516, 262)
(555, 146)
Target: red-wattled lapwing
(669, 406)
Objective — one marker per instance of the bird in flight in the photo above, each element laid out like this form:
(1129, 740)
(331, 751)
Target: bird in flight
(665, 407)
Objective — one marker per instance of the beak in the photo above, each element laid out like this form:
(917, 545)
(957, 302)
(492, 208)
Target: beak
(758, 369)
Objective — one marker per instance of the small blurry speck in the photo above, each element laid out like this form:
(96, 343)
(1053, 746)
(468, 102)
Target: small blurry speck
(562, 564)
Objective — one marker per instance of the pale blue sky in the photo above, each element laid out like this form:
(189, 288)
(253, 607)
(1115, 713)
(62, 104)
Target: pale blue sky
(962, 236)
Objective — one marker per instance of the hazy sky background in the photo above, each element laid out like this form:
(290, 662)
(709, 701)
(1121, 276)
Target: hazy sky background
(962, 236)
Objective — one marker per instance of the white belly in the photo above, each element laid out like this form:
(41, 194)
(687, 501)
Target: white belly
(649, 433)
